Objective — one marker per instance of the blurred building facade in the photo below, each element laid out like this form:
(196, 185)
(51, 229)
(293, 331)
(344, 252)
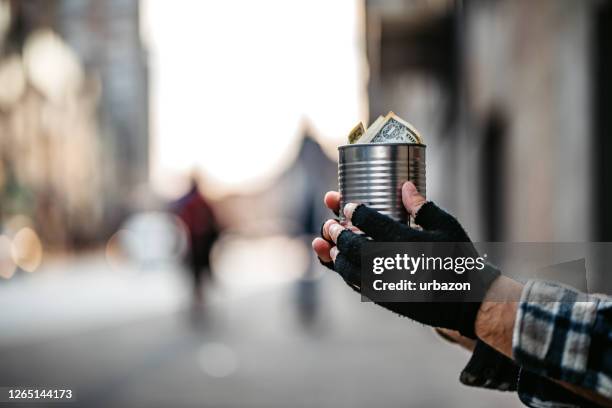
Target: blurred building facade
(74, 129)
(106, 36)
(508, 97)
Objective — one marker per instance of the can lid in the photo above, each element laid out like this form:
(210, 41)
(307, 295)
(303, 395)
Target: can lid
(381, 144)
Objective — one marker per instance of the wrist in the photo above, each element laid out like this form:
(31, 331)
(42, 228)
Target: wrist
(495, 319)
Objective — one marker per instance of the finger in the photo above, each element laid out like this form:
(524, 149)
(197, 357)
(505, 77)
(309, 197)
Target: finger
(350, 245)
(411, 198)
(324, 229)
(455, 337)
(332, 201)
(322, 248)
(432, 217)
(331, 229)
(333, 253)
(334, 229)
(348, 225)
(348, 242)
(354, 228)
(447, 334)
(380, 227)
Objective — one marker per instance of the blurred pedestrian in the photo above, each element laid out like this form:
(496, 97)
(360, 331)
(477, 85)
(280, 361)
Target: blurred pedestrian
(307, 179)
(198, 217)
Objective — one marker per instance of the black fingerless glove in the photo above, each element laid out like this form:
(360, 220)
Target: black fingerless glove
(488, 368)
(438, 226)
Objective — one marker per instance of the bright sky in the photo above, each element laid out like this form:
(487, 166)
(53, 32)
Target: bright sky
(233, 81)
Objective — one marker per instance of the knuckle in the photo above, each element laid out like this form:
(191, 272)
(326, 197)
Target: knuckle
(344, 236)
(360, 215)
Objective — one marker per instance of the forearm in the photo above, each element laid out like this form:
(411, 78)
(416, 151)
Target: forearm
(495, 319)
(495, 325)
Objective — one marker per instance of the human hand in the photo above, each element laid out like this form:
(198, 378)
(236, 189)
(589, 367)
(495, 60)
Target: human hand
(340, 250)
(455, 337)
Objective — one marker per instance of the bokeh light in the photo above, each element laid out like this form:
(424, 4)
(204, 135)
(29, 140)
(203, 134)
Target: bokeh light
(249, 265)
(27, 250)
(53, 68)
(13, 81)
(114, 252)
(149, 238)
(7, 266)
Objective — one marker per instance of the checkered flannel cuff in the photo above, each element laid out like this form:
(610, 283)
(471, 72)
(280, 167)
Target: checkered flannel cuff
(554, 333)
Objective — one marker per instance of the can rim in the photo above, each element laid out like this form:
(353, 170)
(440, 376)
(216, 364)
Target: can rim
(344, 146)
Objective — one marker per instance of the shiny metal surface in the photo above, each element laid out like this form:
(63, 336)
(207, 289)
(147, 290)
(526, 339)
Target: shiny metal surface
(373, 174)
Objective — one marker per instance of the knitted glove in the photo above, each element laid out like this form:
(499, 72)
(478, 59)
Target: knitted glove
(438, 226)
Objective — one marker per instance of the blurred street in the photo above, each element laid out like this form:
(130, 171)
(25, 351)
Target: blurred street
(163, 168)
(250, 350)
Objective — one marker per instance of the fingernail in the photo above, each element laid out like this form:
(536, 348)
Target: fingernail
(349, 209)
(410, 187)
(333, 253)
(313, 243)
(411, 198)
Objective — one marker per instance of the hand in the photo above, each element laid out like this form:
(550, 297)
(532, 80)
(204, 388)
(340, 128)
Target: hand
(340, 249)
(453, 336)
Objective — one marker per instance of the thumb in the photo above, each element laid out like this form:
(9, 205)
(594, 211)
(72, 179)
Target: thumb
(411, 198)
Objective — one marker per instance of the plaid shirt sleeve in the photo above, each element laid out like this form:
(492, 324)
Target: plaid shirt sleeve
(564, 334)
(490, 369)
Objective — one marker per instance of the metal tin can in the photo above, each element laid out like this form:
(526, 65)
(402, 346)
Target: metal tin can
(374, 173)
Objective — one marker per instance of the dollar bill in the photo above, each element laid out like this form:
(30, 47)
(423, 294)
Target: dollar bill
(413, 131)
(372, 129)
(356, 133)
(394, 130)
